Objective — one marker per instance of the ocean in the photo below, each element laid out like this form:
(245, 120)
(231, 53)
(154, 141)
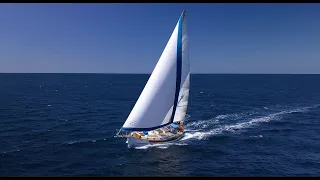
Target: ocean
(238, 125)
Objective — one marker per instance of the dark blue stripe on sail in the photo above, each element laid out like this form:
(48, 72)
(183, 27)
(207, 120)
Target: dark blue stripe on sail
(144, 129)
(179, 68)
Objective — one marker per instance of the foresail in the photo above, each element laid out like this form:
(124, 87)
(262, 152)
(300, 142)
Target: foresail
(157, 104)
(182, 106)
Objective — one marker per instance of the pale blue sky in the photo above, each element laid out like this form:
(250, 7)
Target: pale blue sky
(129, 38)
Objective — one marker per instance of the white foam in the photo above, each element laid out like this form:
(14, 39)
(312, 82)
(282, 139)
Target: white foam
(161, 145)
(10, 151)
(81, 141)
(203, 134)
(203, 123)
(259, 136)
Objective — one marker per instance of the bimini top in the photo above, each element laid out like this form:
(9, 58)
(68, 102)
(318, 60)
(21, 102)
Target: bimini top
(174, 126)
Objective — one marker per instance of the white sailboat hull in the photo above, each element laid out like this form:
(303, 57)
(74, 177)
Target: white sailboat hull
(134, 142)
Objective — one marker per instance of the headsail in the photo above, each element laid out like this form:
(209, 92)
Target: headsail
(159, 100)
(183, 101)
(182, 106)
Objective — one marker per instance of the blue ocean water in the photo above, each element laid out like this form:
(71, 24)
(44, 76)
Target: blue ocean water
(238, 125)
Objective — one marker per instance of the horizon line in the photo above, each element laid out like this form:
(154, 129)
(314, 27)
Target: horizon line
(150, 73)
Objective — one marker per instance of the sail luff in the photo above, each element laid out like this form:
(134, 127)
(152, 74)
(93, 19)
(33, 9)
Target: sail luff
(160, 95)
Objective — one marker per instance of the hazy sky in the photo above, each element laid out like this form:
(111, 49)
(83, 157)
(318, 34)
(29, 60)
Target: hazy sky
(129, 38)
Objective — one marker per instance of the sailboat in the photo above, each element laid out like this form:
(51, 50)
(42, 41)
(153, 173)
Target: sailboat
(160, 111)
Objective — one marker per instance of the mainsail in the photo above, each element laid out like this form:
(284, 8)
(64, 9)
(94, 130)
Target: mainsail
(164, 98)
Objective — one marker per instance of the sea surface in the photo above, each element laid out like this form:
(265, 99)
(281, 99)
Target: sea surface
(238, 125)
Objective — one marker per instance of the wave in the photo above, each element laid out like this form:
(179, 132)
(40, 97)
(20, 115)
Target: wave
(9, 152)
(162, 145)
(83, 141)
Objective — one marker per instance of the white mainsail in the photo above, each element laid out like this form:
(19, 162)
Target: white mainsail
(164, 98)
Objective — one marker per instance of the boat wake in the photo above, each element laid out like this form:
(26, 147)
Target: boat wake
(229, 123)
(199, 130)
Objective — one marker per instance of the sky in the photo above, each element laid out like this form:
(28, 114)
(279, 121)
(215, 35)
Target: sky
(129, 38)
